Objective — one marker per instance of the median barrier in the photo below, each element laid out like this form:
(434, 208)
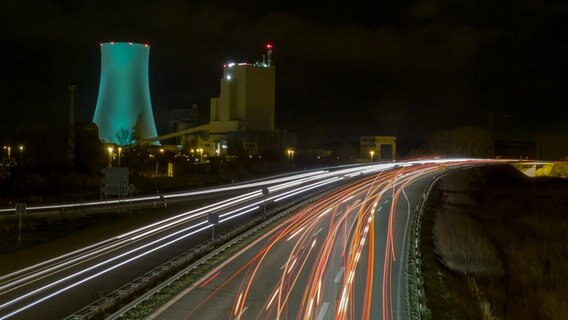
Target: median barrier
(147, 286)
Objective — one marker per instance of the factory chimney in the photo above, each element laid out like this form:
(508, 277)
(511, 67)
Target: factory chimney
(269, 54)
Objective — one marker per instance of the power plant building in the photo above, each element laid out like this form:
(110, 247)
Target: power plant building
(124, 111)
(246, 98)
(242, 117)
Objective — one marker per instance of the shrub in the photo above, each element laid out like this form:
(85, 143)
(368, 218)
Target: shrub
(463, 248)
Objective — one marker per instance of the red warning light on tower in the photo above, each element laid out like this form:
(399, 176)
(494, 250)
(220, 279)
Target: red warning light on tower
(268, 46)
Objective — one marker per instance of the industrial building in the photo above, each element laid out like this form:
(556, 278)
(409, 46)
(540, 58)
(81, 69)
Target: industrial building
(242, 117)
(378, 148)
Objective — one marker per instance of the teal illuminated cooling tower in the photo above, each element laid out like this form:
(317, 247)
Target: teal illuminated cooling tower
(124, 111)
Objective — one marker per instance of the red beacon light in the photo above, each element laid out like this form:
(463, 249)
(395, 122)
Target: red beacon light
(269, 46)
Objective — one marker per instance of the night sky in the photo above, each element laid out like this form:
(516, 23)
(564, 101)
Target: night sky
(395, 67)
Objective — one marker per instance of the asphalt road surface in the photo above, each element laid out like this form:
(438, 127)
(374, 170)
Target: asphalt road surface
(340, 258)
(63, 284)
(343, 257)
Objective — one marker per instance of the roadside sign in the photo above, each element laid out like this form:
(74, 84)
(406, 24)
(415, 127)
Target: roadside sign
(213, 218)
(20, 208)
(115, 181)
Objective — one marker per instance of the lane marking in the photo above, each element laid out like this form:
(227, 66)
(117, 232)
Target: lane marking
(323, 213)
(323, 310)
(319, 230)
(241, 313)
(295, 233)
(338, 276)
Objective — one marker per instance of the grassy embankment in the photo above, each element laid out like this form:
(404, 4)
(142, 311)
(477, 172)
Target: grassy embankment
(495, 246)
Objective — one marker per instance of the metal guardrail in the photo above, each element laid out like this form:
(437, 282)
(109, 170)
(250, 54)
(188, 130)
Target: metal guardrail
(417, 302)
(238, 234)
(417, 306)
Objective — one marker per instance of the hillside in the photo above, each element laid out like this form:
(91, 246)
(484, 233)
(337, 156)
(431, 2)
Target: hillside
(495, 245)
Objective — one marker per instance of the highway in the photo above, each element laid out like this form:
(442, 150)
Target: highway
(343, 257)
(63, 284)
(322, 248)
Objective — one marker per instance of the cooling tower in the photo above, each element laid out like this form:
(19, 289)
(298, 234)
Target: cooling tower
(124, 111)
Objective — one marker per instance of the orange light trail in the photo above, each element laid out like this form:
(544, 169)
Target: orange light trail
(327, 251)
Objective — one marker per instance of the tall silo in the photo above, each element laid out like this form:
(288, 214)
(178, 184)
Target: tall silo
(124, 109)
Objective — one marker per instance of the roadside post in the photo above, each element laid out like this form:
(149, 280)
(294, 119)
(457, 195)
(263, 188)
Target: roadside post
(213, 219)
(265, 193)
(20, 210)
(131, 189)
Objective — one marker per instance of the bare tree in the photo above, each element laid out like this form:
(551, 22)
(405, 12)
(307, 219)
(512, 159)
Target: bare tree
(137, 129)
(124, 137)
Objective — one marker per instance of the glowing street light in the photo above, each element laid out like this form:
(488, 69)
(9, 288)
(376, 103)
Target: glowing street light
(21, 148)
(200, 150)
(9, 150)
(290, 155)
(110, 151)
(372, 153)
(119, 152)
(161, 150)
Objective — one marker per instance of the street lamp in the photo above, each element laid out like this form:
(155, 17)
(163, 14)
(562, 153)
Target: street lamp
(290, 155)
(21, 148)
(110, 150)
(372, 152)
(9, 150)
(119, 152)
(200, 150)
